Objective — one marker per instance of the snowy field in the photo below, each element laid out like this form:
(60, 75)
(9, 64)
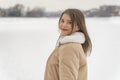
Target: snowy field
(26, 43)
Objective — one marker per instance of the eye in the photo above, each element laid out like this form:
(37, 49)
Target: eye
(70, 22)
(62, 21)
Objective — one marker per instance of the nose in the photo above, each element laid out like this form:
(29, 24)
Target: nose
(64, 25)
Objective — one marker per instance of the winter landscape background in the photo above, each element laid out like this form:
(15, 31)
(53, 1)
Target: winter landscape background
(26, 43)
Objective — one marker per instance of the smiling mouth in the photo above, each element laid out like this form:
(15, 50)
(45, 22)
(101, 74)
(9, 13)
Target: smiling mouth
(64, 30)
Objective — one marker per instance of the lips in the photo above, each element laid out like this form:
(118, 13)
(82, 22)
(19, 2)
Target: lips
(64, 29)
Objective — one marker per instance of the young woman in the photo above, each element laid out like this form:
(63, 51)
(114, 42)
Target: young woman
(68, 60)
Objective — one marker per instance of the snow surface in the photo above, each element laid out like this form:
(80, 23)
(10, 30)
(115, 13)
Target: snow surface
(26, 43)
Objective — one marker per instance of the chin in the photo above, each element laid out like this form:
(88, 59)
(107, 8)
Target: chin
(63, 34)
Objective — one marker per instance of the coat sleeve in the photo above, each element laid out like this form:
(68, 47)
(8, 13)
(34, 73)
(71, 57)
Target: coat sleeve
(68, 63)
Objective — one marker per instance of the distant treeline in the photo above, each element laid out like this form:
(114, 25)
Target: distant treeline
(103, 11)
(19, 11)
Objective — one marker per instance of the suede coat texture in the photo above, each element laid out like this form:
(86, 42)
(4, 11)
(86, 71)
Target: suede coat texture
(68, 60)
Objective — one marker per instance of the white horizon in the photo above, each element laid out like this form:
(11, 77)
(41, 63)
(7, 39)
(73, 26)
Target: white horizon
(56, 5)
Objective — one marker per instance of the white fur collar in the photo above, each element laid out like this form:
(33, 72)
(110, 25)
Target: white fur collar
(77, 37)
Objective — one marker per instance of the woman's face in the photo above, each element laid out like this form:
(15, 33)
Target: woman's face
(65, 25)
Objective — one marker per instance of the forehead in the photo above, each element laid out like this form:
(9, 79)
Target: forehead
(66, 16)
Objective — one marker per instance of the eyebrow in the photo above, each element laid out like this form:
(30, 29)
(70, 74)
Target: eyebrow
(67, 20)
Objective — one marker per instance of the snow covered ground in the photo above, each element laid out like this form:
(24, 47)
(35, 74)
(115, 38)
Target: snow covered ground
(26, 43)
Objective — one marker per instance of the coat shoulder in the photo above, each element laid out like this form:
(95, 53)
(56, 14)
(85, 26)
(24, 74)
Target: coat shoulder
(71, 46)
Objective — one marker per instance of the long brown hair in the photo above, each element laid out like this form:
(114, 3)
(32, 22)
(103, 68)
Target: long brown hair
(78, 17)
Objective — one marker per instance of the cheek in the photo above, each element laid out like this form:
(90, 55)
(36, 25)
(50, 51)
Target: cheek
(70, 28)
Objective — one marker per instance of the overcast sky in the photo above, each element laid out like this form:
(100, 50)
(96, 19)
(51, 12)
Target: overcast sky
(56, 5)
